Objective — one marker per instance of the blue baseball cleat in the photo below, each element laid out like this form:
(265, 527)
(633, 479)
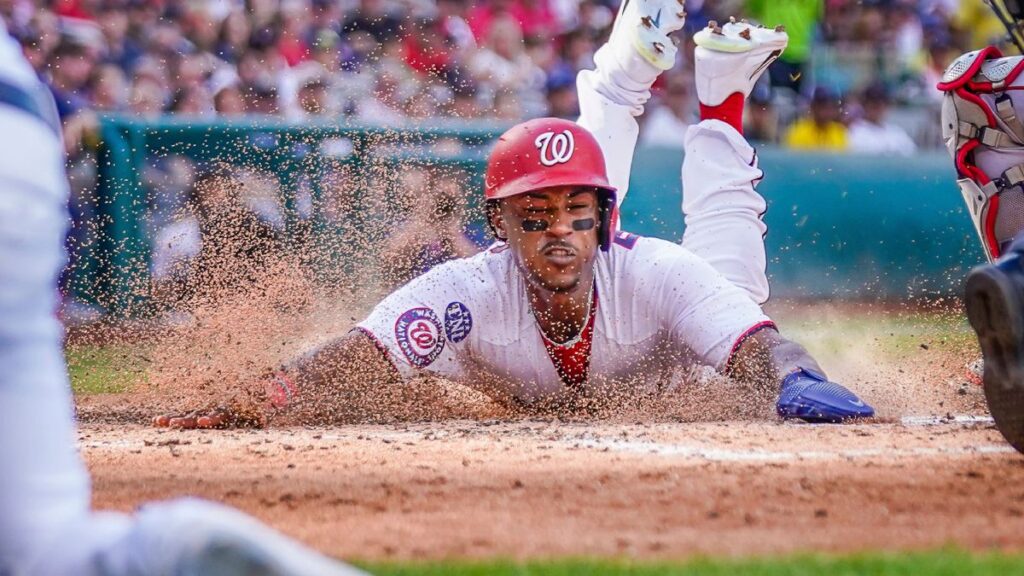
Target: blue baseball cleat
(810, 396)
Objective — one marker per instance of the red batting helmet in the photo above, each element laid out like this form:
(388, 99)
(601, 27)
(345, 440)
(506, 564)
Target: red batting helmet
(549, 152)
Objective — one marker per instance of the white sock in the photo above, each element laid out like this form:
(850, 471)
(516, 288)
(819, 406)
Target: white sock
(624, 77)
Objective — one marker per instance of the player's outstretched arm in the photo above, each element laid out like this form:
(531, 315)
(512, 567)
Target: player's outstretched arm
(338, 377)
(767, 359)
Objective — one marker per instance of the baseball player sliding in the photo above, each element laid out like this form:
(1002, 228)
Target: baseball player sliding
(564, 312)
(46, 527)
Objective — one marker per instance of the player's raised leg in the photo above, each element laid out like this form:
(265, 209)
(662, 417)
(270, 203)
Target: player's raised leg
(722, 208)
(611, 96)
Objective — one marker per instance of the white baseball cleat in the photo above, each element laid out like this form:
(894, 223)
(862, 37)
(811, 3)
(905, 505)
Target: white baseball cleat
(730, 58)
(647, 25)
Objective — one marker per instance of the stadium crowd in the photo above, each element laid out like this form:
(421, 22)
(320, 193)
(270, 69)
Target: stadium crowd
(399, 60)
(858, 76)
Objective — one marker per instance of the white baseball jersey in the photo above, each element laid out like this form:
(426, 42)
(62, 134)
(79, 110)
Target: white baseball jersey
(658, 306)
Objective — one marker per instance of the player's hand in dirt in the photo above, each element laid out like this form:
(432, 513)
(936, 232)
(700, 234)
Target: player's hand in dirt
(221, 417)
(809, 396)
(277, 391)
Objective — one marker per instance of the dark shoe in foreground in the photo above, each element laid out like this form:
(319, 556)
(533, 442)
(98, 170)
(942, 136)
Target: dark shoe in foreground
(994, 307)
(809, 396)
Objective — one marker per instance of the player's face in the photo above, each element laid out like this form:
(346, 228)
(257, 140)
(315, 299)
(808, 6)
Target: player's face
(553, 233)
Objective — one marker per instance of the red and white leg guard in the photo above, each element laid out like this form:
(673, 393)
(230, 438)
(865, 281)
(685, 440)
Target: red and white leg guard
(985, 136)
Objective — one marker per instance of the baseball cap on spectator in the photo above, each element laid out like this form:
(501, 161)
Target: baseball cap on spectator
(559, 79)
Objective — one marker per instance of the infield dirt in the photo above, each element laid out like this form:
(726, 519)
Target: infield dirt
(705, 473)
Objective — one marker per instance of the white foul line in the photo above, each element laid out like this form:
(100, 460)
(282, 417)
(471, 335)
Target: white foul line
(754, 455)
(945, 420)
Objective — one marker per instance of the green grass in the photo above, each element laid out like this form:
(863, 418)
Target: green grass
(104, 369)
(937, 563)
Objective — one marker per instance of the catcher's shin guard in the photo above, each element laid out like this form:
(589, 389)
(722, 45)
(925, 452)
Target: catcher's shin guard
(985, 136)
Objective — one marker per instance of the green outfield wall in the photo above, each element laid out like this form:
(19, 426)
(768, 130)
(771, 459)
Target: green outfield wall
(839, 225)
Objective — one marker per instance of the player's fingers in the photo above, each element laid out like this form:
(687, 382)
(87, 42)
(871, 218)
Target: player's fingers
(214, 419)
(162, 421)
(183, 422)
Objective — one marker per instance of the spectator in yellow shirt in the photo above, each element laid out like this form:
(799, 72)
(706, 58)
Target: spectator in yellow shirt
(821, 130)
(977, 19)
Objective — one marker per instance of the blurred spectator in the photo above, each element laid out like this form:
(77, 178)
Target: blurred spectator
(385, 104)
(761, 118)
(427, 49)
(146, 96)
(668, 119)
(291, 43)
(372, 16)
(233, 37)
(872, 133)
(563, 100)
(503, 63)
(506, 107)
(191, 101)
(69, 68)
(978, 22)
(35, 51)
(221, 239)
(121, 49)
(313, 99)
(228, 101)
(452, 17)
(108, 88)
(261, 99)
(532, 17)
(821, 130)
(465, 103)
(801, 18)
(434, 231)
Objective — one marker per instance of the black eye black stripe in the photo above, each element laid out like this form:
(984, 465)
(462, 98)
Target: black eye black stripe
(584, 224)
(542, 225)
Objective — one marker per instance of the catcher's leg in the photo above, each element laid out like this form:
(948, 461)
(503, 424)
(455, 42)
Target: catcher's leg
(995, 307)
(722, 208)
(613, 95)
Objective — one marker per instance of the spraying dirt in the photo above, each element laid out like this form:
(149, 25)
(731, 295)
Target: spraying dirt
(434, 470)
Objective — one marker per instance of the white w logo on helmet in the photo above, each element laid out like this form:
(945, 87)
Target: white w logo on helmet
(555, 148)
